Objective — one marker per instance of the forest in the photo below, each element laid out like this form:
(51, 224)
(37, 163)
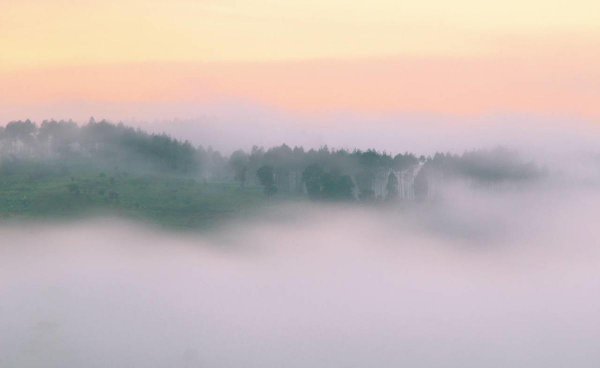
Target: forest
(60, 168)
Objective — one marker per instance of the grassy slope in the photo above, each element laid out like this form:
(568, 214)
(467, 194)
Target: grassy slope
(166, 200)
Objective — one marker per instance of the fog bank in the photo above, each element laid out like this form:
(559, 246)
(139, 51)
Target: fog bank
(478, 279)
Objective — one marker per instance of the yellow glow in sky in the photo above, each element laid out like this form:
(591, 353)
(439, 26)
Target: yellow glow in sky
(444, 57)
(60, 32)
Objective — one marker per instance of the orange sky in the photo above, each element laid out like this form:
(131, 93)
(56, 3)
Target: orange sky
(455, 58)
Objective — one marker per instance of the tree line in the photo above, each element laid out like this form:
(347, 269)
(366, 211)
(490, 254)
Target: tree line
(60, 147)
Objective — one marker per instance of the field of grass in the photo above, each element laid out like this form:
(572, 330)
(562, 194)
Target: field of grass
(165, 200)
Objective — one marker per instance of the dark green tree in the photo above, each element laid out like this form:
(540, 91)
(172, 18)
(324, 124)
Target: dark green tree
(239, 162)
(311, 177)
(266, 177)
(392, 187)
(337, 187)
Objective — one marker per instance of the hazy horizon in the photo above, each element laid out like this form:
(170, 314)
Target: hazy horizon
(226, 128)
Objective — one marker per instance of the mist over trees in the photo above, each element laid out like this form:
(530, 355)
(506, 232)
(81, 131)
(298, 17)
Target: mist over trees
(63, 148)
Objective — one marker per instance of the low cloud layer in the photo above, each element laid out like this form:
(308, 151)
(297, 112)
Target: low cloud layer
(480, 278)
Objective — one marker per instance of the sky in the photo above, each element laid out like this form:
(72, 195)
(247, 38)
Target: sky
(460, 60)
